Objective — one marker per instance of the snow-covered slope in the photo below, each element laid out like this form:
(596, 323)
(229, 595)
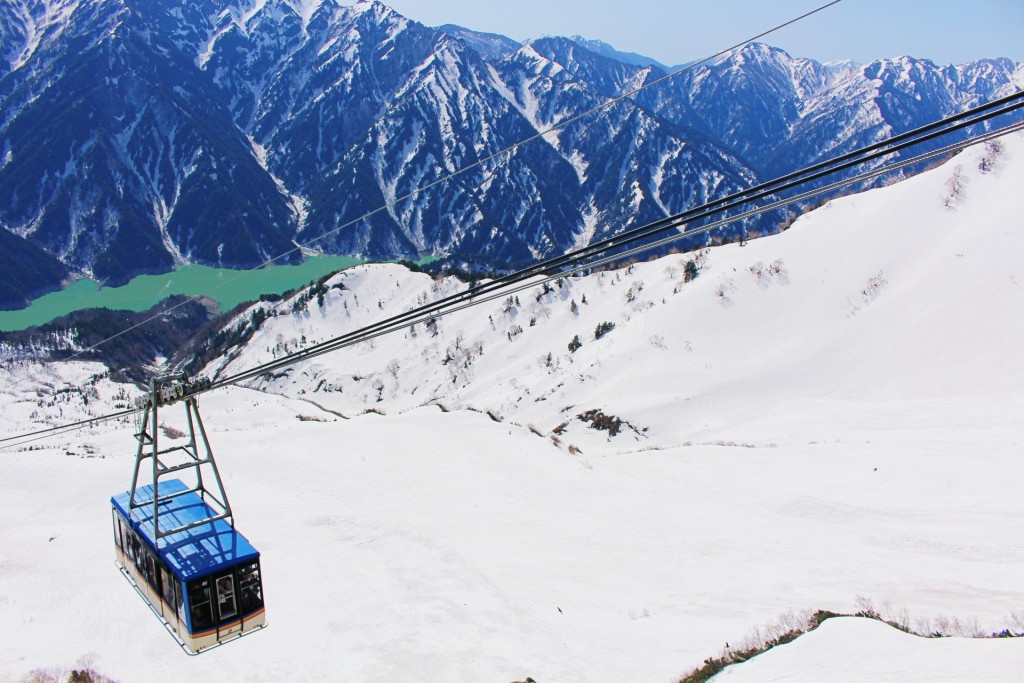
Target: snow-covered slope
(890, 305)
(843, 423)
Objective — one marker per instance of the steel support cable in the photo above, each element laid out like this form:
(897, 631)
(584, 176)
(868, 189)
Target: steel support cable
(924, 157)
(426, 312)
(476, 295)
(657, 227)
(50, 432)
(456, 173)
(319, 351)
(473, 296)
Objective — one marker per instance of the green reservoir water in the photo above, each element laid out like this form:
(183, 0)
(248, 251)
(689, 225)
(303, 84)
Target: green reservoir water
(227, 287)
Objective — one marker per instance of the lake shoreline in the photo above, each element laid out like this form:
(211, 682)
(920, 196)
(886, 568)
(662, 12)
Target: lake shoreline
(228, 288)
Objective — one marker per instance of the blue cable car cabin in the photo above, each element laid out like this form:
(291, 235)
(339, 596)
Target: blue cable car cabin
(204, 582)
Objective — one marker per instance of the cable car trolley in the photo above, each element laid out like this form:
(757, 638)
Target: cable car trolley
(174, 534)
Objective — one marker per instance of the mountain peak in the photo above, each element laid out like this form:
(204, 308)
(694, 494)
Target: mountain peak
(491, 45)
(758, 52)
(606, 50)
(375, 6)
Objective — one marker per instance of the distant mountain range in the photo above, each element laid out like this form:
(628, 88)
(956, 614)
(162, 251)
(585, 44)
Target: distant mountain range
(136, 135)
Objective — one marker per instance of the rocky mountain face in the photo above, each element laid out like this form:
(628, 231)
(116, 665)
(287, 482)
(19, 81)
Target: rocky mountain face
(136, 135)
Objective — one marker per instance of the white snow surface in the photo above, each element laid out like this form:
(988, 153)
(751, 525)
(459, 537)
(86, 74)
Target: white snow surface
(828, 413)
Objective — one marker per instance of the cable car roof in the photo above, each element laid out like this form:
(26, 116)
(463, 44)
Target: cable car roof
(194, 552)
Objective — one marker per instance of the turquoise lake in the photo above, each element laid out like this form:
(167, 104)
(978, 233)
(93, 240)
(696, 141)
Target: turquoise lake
(227, 287)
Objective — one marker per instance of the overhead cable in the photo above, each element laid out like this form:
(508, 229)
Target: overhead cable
(477, 295)
(657, 227)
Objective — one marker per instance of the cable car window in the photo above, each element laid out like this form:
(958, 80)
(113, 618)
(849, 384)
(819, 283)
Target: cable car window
(133, 543)
(151, 570)
(168, 586)
(226, 597)
(249, 588)
(177, 599)
(201, 607)
(118, 531)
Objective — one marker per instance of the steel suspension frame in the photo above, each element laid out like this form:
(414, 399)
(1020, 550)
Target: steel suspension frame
(195, 455)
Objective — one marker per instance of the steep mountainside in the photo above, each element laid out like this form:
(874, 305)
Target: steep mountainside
(30, 271)
(117, 168)
(140, 134)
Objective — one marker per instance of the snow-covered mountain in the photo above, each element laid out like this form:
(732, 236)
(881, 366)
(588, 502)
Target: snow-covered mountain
(823, 414)
(136, 135)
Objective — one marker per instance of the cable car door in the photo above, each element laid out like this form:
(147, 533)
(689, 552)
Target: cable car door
(227, 601)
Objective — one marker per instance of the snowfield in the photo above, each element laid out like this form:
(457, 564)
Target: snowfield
(825, 416)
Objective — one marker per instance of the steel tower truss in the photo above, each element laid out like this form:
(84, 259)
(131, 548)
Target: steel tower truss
(195, 455)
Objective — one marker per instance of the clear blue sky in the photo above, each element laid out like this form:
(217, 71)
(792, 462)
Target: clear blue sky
(675, 31)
